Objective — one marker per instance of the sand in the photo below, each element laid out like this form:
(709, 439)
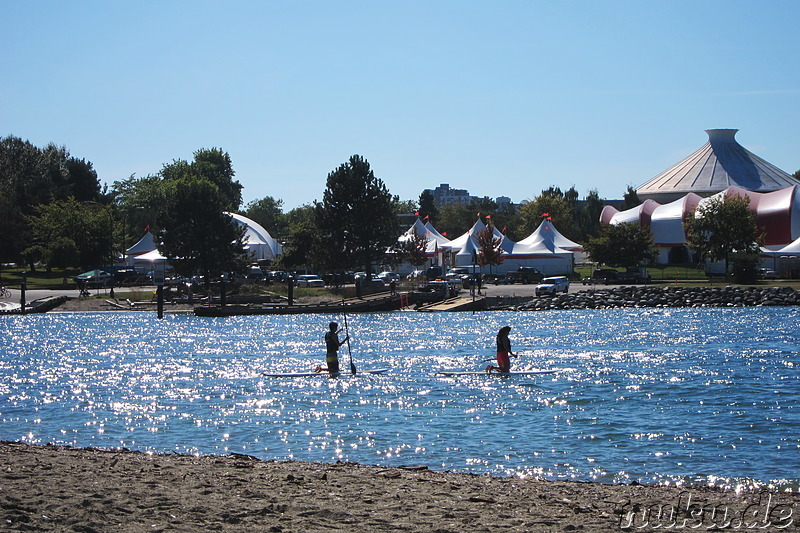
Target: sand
(56, 488)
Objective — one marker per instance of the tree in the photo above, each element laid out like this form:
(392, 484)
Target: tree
(30, 177)
(547, 206)
(630, 199)
(213, 165)
(267, 212)
(356, 219)
(587, 219)
(490, 252)
(299, 247)
(414, 249)
(68, 233)
(456, 219)
(622, 245)
(427, 206)
(196, 234)
(724, 228)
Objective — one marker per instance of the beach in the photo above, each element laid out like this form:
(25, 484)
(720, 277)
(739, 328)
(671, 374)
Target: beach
(57, 488)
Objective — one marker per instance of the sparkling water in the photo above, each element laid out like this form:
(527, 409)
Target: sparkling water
(670, 396)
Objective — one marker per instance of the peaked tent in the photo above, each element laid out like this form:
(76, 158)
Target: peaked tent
(419, 228)
(441, 240)
(146, 244)
(540, 252)
(721, 163)
(547, 233)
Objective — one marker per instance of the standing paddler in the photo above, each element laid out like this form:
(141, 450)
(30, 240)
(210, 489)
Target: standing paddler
(332, 344)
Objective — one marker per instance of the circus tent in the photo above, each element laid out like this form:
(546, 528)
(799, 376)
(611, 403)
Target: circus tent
(719, 164)
(777, 212)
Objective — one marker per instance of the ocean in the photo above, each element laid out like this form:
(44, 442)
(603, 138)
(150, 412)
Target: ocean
(665, 396)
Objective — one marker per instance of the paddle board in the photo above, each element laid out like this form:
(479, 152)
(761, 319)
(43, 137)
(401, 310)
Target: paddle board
(484, 373)
(323, 373)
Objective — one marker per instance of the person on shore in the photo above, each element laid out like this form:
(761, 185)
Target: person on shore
(332, 344)
(503, 352)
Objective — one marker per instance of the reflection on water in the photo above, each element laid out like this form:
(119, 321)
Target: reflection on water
(670, 396)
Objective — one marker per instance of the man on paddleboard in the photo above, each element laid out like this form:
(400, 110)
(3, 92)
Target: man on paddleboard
(503, 352)
(332, 344)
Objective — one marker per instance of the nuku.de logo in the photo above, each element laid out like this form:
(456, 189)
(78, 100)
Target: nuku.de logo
(686, 514)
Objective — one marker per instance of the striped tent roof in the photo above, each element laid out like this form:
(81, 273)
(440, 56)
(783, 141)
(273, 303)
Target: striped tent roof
(721, 163)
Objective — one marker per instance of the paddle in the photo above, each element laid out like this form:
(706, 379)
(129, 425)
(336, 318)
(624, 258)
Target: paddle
(347, 336)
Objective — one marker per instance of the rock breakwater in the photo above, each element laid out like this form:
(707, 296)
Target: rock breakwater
(647, 296)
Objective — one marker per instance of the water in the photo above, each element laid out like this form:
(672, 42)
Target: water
(705, 396)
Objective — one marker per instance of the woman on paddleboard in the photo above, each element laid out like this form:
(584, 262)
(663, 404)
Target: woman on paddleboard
(332, 345)
(503, 352)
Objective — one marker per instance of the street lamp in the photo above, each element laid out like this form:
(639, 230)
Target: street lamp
(107, 209)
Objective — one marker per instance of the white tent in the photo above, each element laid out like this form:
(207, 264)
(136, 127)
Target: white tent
(545, 250)
(540, 250)
(257, 240)
(151, 257)
(547, 233)
(440, 239)
(146, 244)
(470, 239)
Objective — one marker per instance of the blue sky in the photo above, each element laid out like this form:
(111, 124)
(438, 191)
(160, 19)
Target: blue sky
(500, 98)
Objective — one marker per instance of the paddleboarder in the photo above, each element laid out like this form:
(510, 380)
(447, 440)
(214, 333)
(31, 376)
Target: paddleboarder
(332, 344)
(503, 352)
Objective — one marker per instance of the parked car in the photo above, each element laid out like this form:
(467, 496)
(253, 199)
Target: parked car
(766, 273)
(434, 272)
(94, 278)
(610, 275)
(601, 275)
(524, 275)
(255, 273)
(309, 280)
(416, 274)
(389, 276)
(552, 285)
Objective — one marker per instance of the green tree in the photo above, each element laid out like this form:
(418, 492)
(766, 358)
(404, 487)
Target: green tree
(30, 177)
(213, 165)
(630, 199)
(427, 206)
(68, 233)
(196, 234)
(356, 219)
(547, 206)
(299, 245)
(268, 212)
(723, 229)
(622, 245)
(456, 219)
(587, 219)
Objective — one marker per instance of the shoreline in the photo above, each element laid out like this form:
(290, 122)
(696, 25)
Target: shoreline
(58, 488)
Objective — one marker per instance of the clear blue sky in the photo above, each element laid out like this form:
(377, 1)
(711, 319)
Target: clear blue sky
(497, 97)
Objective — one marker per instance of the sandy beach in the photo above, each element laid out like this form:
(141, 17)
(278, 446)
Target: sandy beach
(56, 488)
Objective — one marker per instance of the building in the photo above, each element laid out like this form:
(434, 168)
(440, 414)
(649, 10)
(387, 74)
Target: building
(443, 195)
